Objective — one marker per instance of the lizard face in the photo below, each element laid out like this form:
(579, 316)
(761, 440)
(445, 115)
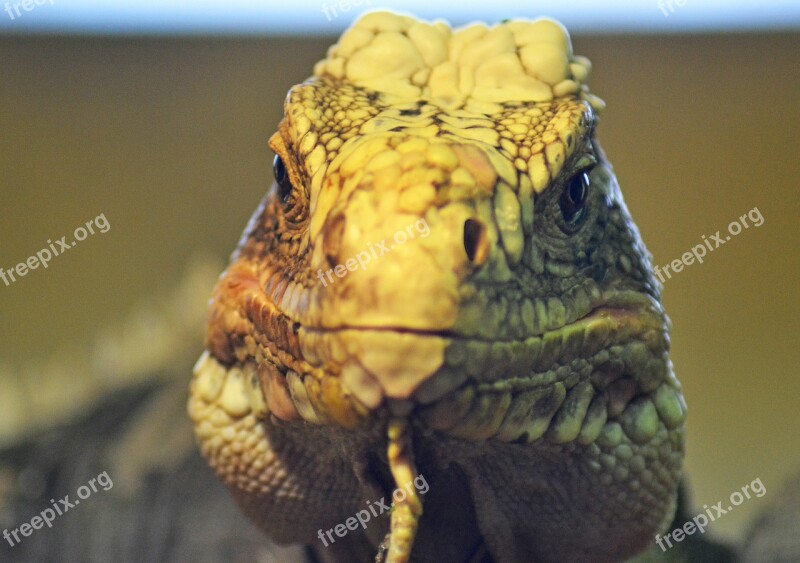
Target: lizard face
(446, 246)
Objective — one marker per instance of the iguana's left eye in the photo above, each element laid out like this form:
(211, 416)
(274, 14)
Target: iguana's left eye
(574, 197)
(282, 178)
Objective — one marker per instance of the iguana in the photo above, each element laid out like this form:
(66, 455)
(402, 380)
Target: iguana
(443, 284)
(166, 504)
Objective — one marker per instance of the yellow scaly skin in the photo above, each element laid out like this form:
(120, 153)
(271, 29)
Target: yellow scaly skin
(510, 346)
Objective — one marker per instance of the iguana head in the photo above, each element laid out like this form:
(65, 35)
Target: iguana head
(446, 243)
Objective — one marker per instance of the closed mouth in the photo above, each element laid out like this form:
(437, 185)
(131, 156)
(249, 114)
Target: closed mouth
(616, 304)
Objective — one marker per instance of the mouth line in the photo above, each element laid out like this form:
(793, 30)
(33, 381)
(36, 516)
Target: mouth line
(614, 305)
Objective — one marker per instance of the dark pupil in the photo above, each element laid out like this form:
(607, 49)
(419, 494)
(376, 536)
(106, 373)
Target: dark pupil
(282, 178)
(574, 198)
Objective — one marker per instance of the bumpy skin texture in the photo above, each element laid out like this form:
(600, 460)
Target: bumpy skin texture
(509, 344)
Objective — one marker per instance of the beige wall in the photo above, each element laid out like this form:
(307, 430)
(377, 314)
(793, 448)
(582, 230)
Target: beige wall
(167, 138)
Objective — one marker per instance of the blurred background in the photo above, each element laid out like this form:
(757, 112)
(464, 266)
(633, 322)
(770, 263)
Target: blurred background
(157, 115)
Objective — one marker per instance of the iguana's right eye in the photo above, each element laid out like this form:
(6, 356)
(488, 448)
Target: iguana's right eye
(573, 199)
(282, 178)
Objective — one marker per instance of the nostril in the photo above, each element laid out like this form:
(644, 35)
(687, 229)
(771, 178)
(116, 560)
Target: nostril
(475, 242)
(333, 232)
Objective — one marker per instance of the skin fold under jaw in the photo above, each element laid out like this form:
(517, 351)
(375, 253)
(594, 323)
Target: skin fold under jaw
(516, 355)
